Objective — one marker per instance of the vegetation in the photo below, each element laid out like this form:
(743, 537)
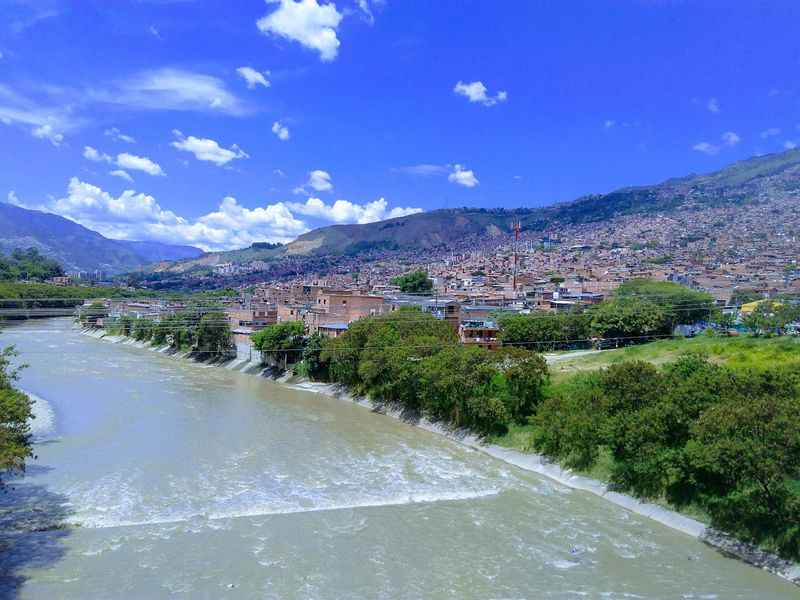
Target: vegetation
(15, 415)
(412, 360)
(681, 305)
(92, 314)
(281, 343)
(694, 433)
(546, 331)
(203, 332)
(416, 282)
(771, 318)
(629, 319)
(29, 265)
(737, 352)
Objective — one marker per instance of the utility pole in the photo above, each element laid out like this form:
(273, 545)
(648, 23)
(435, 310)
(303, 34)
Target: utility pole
(517, 226)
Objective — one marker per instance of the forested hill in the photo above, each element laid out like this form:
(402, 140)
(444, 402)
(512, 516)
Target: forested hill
(758, 178)
(751, 179)
(77, 248)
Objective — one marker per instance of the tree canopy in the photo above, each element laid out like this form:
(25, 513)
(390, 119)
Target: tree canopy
(416, 282)
(15, 415)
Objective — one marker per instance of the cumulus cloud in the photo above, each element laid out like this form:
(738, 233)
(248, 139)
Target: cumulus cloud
(138, 163)
(789, 145)
(609, 123)
(49, 133)
(344, 211)
(207, 149)
(138, 216)
(706, 148)
(771, 132)
(307, 22)
(122, 175)
(462, 176)
(477, 92)
(282, 131)
(171, 89)
(116, 135)
(318, 180)
(125, 161)
(95, 155)
(252, 77)
(713, 105)
(731, 138)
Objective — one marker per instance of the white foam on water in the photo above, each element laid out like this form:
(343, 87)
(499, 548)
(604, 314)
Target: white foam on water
(44, 418)
(99, 522)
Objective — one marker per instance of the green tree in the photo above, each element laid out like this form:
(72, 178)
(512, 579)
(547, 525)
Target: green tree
(744, 459)
(15, 415)
(526, 376)
(681, 305)
(416, 282)
(93, 313)
(546, 331)
(629, 317)
(214, 337)
(316, 367)
(282, 343)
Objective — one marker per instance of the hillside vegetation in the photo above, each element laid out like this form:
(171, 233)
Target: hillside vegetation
(751, 180)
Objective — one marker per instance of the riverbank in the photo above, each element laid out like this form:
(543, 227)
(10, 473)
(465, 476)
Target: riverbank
(529, 462)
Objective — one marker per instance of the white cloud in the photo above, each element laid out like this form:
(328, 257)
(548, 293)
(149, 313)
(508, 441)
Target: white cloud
(771, 132)
(280, 130)
(365, 9)
(13, 199)
(731, 138)
(706, 148)
(422, 170)
(154, 32)
(344, 211)
(609, 123)
(172, 89)
(138, 163)
(95, 155)
(713, 105)
(789, 145)
(122, 175)
(462, 176)
(116, 134)
(311, 24)
(207, 149)
(125, 161)
(253, 77)
(318, 180)
(47, 132)
(138, 216)
(477, 92)
(47, 122)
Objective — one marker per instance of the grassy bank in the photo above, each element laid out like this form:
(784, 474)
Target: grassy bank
(736, 352)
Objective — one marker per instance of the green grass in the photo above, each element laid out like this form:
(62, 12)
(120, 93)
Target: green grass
(736, 352)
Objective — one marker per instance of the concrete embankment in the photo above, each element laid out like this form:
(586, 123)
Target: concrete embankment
(527, 461)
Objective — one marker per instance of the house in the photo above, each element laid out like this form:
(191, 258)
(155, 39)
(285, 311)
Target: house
(333, 330)
(441, 307)
(479, 332)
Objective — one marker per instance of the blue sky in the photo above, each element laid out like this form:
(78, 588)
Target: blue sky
(219, 123)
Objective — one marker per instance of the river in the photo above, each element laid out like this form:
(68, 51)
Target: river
(161, 478)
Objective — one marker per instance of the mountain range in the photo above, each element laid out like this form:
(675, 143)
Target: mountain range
(455, 229)
(77, 248)
(446, 230)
